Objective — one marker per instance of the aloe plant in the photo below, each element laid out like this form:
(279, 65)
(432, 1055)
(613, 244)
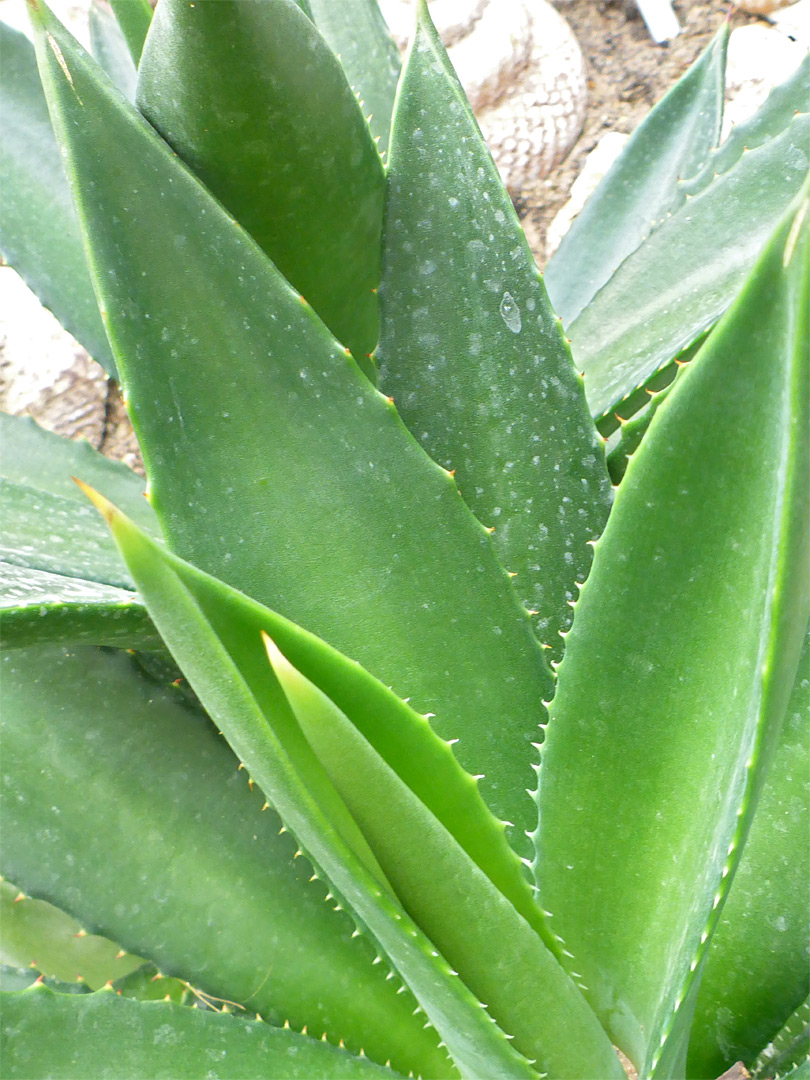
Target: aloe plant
(386, 736)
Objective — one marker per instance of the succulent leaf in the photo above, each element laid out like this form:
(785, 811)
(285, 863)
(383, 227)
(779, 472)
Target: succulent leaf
(62, 1036)
(655, 751)
(790, 1045)
(354, 533)
(358, 35)
(678, 283)
(495, 951)
(134, 17)
(239, 88)
(38, 935)
(39, 234)
(471, 351)
(756, 972)
(247, 703)
(641, 188)
(150, 835)
(772, 118)
(109, 47)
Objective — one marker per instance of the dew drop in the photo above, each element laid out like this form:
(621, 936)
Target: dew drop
(510, 313)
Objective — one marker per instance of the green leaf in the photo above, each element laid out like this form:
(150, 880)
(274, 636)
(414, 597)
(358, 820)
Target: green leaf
(656, 750)
(771, 119)
(526, 990)
(240, 89)
(39, 459)
(473, 354)
(109, 47)
(352, 532)
(60, 578)
(39, 235)
(249, 706)
(62, 1036)
(641, 188)
(359, 36)
(38, 935)
(678, 283)
(756, 972)
(631, 432)
(134, 17)
(790, 1045)
(137, 822)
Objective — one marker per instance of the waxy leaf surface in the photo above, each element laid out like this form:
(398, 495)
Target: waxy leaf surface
(48, 1036)
(39, 234)
(472, 353)
(250, 707)
(275, 465)
(656, 749)
(756, 973)
(241, 89)
(678, 283)
(147, 833)
(359, 36)
(641, 187)
(495, 951)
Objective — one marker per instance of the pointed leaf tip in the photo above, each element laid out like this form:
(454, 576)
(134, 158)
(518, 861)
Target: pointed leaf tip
(107, 510)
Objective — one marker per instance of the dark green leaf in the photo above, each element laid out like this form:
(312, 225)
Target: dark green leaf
(39, 235)
(47, 1036)
(134, 18)
(657, 745)
(352, 532)
(242, 90)
(472, 353)
(357, 33)
(641, 187)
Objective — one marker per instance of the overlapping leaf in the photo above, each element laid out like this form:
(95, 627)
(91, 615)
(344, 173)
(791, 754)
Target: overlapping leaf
(641, 188)
(248, 704)
(145, 831)
(240, 89)
(677, 284)
(680, 662)
(62, 1036)
(39, 234)
(60, 577)
(287, 474)
(756, 973)
(358, 35)
(471, 351)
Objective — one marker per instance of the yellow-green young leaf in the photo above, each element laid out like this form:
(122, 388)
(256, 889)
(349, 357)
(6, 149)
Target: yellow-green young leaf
(680, 663)
(38, 935)
(244, 698)
(48, 1036)
(756, 972)
(495, 951)
(472, 352)
(274, 464)
(253, 100)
